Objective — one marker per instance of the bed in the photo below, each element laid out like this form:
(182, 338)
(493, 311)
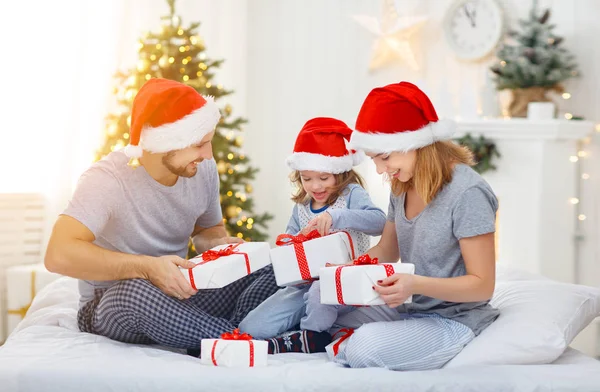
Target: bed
(47, 353)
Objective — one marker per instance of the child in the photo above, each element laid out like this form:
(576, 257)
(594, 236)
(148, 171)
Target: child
(441, 218)
(330, 197)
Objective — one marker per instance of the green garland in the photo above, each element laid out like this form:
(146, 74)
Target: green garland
(484, 150)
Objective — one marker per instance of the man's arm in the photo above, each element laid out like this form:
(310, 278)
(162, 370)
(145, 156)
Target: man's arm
(209, 237)
(71, 252)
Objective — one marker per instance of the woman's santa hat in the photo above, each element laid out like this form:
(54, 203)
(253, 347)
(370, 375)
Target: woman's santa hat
(398, 117)
(321, 146)
(167, 116)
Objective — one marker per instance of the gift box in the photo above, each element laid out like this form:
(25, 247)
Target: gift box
(353, 284)
(234, 350)
(225, 264)
(23, 283)
(299, 258)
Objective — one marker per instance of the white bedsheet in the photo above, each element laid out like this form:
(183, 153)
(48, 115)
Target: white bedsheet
(47, 353)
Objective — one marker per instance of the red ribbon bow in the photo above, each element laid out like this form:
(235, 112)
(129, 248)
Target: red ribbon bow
(298, 242)
(212, 255)
(361, 261)
(365, 260)
(235, 335)
(288, 239)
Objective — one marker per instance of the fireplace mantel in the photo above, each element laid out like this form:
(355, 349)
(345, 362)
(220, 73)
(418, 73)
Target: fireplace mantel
(524, 129)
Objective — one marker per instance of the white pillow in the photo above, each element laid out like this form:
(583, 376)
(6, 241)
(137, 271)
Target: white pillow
(538, 320)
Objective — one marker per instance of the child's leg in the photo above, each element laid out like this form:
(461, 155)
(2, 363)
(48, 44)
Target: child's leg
(421, 342)
(277, 314)
(318, 317)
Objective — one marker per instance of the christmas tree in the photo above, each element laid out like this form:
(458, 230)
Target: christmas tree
(178, 53)
(535, 58)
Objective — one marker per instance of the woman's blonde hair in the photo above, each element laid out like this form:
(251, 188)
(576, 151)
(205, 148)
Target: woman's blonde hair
(433, 169)
(342, 180)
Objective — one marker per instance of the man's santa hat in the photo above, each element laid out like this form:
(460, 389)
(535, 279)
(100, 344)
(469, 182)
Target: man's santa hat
(398, 117)
(321, 146)
(167, 116)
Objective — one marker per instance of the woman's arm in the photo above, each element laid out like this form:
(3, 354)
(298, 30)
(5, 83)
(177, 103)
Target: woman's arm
(477, 285)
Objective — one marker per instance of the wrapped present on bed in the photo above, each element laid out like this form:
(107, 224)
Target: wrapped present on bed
(23, 283)
(298, 258)
(353, 284)
(234, 349)
(225, 264)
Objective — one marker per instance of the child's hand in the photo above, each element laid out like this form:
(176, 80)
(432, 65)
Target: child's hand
(322, 223)
(309, 227)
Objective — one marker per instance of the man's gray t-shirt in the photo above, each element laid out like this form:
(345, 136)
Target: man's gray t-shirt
(130, 212)
(465, 207)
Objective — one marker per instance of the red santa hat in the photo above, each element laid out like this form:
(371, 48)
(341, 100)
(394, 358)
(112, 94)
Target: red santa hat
(167, 116)
(321, 146)
(398, 117)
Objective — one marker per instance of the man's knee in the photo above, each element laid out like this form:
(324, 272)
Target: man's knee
(126, 298)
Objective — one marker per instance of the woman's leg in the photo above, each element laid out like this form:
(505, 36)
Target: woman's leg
(420, 342)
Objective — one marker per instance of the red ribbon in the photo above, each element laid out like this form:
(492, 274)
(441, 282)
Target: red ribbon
(235, 335)
(365, 260)
(347, 333)
(362, 260)
(298, 242)
(211, 255)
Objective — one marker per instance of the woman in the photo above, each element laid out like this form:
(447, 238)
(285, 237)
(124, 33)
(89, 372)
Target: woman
(441, 218)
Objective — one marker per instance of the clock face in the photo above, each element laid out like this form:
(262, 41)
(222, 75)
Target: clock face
(473, 28)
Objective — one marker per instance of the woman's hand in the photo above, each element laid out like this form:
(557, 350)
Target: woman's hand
(396, 289)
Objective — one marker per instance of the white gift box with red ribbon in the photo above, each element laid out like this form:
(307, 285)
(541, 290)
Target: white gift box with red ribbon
(234, 350)
(299, 258)
(225, 264)
(353, 284)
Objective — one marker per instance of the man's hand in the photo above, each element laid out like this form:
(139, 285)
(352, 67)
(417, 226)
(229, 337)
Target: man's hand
(163, 272)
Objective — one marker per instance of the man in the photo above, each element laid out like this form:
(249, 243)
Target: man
(125, 232)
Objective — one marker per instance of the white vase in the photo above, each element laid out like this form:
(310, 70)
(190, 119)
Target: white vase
(540, 110)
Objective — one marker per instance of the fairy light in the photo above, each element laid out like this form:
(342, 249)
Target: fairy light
(573, 158)
(568, 116)
(581, 217)
(574, 200)
(230, 156)
(585, 176)
(566, 96)
(582, 154)
(229, 193)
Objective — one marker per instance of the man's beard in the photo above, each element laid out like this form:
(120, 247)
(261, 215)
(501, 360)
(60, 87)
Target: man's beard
(181, 171)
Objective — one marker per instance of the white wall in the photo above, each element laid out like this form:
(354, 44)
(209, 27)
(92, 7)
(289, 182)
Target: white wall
(310, 58)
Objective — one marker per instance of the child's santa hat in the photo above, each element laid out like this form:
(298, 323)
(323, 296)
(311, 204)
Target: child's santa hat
(398, 117)
(167, 116)
(321, 146)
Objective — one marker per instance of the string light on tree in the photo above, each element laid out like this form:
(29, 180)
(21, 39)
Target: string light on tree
(176, 52)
